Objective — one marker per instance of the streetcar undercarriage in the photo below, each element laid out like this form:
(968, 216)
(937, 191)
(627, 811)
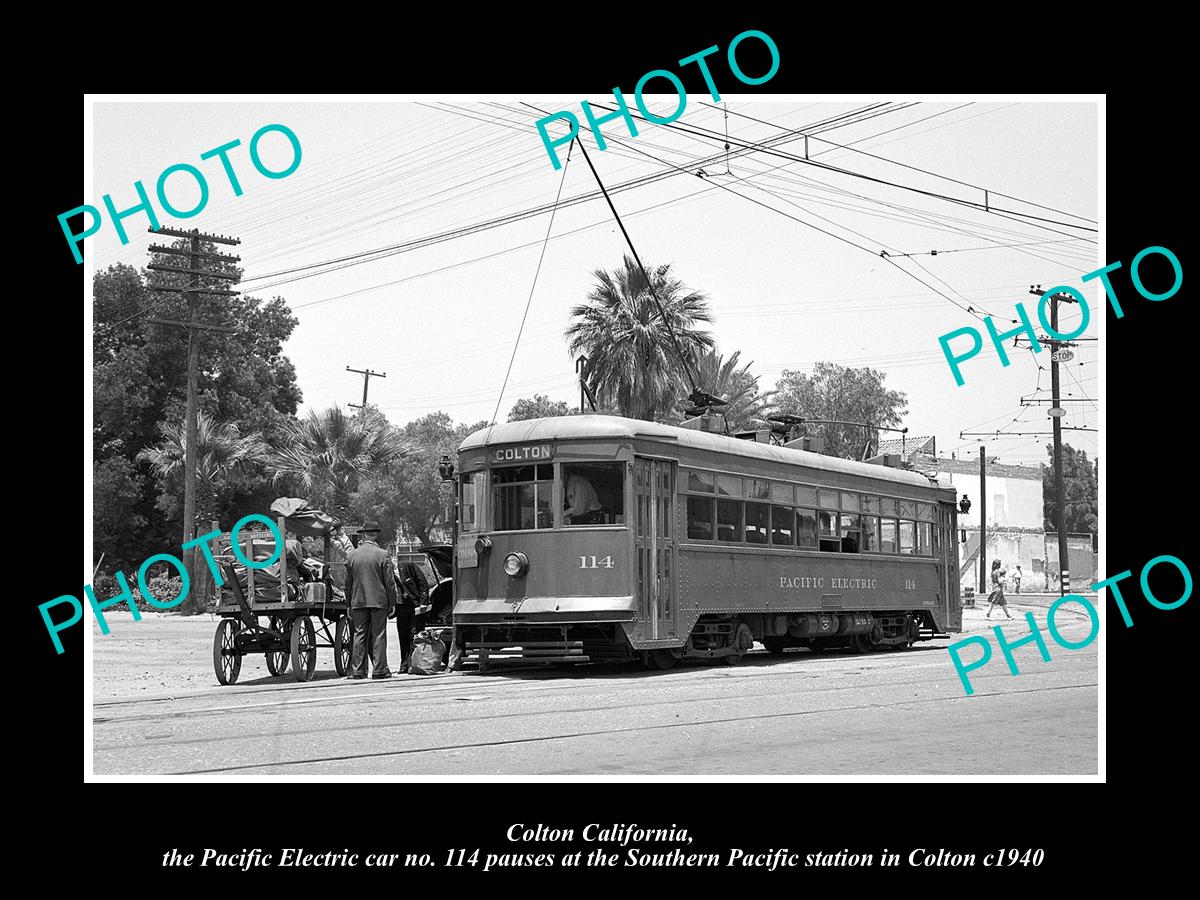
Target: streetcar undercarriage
(714, 637)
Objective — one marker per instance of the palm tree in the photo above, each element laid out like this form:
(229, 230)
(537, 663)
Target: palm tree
(326, 454)
(222, 451)
(632, 361)
(744, 406)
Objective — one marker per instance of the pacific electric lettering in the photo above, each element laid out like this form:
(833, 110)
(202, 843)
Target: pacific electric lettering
(221, 153)
(622, 110)
(1026, 326)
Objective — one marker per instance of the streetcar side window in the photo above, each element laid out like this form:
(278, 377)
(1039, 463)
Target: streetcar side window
(850, 531)
(925, 512)
(887, 506)
(827, 531)
(473, 488)
(758, 489)
(908, 538)
(593, 493)
(806, 528)
(887, 535)
(729, 520)
(756, 522)
(700, 518)
(700, 482)
(924, 539)
(870, 534)
(781, 493)
(805, 495)
(908, 509)
(827, 499)
(850, 502)
(521, 497)
(783, 526)
(870, 504)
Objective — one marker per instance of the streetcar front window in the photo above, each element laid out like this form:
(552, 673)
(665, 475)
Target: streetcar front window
(473, 487)
(521, 497)
(593, 493)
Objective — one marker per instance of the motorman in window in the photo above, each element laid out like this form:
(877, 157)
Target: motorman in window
(582, 505)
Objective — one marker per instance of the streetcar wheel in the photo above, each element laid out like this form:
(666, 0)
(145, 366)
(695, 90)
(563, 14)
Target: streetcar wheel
(304, 648)
(226, 660)
(277, 660)
(775, 645)
(743, 640)
(861, 643)
(662, 659)
(343, 642)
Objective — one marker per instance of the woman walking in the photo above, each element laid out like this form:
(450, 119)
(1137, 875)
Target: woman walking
(996, 597)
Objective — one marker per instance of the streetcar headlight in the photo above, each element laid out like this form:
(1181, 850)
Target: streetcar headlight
(516, 564)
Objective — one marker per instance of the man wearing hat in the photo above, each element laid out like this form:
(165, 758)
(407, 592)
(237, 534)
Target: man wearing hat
(371, 587)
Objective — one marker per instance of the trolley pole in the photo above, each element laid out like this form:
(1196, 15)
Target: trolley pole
(982, 519)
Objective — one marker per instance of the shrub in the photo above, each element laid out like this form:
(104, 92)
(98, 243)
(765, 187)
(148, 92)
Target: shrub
(163, 587)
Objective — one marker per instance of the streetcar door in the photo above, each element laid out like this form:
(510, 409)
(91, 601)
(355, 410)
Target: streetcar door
(654, 540)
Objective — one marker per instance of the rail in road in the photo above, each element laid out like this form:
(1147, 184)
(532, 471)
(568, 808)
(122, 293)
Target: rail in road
(577, 718)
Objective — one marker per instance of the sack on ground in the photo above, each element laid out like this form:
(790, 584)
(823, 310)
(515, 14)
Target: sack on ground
(427, 653)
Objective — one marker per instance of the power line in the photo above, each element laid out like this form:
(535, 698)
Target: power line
(894, 162)
(529, 300)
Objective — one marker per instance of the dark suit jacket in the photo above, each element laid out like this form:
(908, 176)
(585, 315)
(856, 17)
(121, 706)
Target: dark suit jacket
(370, 580)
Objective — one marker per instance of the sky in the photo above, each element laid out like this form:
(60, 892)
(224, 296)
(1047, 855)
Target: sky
(787, 251)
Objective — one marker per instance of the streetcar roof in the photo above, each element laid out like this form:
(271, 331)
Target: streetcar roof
(594, 427)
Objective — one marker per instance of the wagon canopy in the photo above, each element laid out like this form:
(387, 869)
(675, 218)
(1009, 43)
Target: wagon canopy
(303, 519)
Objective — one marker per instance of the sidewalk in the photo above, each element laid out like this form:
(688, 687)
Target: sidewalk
(1018, 604)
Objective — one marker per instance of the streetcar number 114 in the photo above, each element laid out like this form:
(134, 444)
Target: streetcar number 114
(590, 562)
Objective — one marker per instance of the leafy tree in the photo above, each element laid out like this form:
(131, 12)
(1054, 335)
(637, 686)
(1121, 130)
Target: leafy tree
(222, 454)
(1079, 485)
(325, 455)
(845, 393)
(632, 364)
(410, 497)
(140, 381)
(745, 405)
(539, 407)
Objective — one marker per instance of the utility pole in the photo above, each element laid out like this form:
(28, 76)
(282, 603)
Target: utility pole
(983, 582)
(1056, 413)
(367, 375)
(193, 325)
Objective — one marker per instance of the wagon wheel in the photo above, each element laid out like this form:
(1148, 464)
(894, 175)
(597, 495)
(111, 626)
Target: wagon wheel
(661, 659)
(862, 643)
(304, 648)
(742, 640)
(343, 638)
(277, 660)
(227, 661)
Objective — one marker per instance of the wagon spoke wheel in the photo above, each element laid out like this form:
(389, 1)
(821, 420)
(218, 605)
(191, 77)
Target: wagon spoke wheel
(662, 659)
(862, 643)
(343, 641)
(742, 641)
(304, 648)
(227, 661)
(277, 660)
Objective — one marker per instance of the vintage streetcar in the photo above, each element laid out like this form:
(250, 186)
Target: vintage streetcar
(585, 538)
